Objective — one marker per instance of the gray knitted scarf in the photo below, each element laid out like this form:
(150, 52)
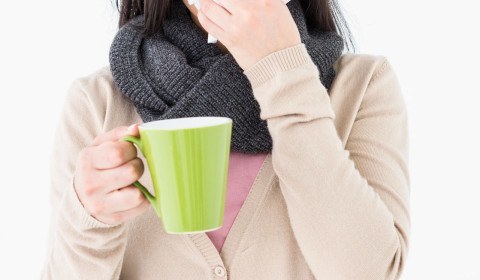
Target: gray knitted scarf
(176, 73)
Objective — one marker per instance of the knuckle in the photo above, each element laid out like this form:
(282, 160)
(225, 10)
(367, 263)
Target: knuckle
(96, 208)
(206, 6)
(249, 19)
(132, 198)
(132, 172)
(263, 3)
(141, 167)
(135, 169)
(116, 156)
(129, 147)
(89, 189)
(85, 184)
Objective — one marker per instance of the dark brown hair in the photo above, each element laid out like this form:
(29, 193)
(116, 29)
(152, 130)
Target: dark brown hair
(323, 14)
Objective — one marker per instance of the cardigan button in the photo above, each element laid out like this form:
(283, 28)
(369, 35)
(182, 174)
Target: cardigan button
(219, 271)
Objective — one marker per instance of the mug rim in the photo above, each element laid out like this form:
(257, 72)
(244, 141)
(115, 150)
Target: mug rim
(185, 123)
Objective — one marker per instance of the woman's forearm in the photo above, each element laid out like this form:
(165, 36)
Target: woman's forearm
(80, 246)
(348, 205)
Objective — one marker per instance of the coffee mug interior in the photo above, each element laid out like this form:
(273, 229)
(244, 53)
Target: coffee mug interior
(185, 123)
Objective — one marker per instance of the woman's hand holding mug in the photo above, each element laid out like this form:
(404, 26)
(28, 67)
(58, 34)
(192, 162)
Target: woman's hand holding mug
(104, 175)
(249, 29)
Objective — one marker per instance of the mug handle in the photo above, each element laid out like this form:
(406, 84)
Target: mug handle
(137, 141)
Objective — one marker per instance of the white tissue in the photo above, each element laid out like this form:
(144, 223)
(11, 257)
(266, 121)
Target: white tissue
(212, 39)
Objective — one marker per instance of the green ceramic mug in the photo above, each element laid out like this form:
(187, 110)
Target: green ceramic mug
(188, 163)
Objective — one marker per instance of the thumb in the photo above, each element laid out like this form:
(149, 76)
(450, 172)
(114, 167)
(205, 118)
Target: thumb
(132, 130)
(116, 133)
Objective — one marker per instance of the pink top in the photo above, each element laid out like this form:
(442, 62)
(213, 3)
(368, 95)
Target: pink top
(242, 171)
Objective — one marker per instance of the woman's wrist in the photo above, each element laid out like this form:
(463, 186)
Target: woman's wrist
(276, 62)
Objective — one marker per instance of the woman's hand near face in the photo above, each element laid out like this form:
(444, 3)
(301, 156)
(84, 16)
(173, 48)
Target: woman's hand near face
(104, 175)
(249, 29)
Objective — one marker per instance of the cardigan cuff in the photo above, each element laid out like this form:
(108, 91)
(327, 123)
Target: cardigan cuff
(78, 216)
(279, 61)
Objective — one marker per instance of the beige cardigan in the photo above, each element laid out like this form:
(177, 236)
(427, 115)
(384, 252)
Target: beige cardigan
(331, 200)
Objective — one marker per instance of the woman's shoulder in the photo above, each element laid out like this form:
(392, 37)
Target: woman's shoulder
(96, 84)
(368, 81)
(97, 94)
(362, 72)
(97, 88)
(365, 81)
(368, 66)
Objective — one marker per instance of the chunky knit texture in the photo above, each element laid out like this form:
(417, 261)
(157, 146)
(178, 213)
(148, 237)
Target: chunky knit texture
(176, 73)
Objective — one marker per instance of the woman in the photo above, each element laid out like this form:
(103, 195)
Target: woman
(318, 183)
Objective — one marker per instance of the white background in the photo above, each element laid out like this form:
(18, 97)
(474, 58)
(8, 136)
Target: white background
(433, 46)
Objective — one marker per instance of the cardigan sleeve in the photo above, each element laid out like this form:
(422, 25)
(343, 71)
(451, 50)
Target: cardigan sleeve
(79, 246)
(348, 205)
